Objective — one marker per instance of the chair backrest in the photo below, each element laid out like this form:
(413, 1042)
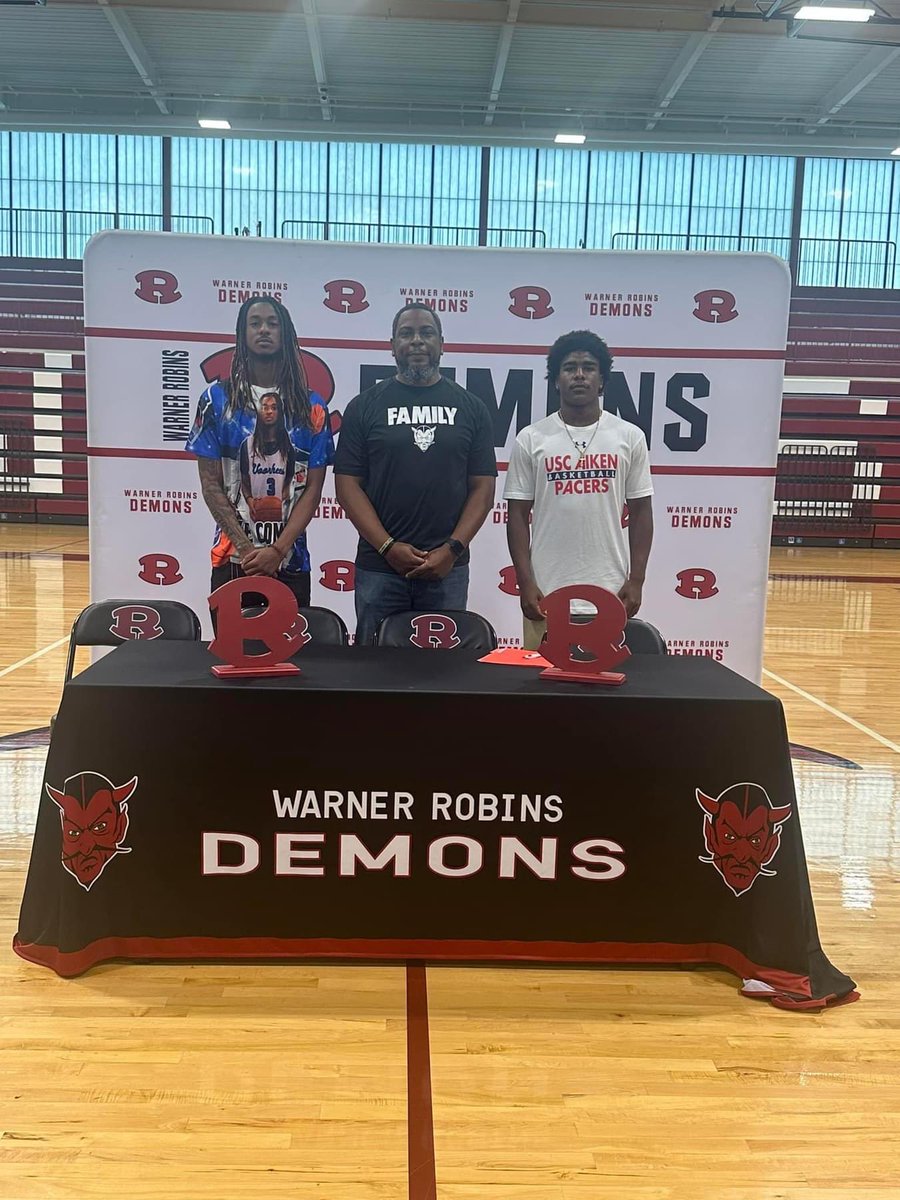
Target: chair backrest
(643, 638)
(451, 629)
(111, 622)
(325, 628)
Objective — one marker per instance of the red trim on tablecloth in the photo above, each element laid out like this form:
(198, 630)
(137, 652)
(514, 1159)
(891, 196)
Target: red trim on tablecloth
(792, 989)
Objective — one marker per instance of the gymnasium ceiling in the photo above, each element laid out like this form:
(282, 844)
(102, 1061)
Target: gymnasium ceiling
(651, 73)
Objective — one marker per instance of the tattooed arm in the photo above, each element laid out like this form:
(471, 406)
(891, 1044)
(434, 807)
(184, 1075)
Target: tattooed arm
(213, 488)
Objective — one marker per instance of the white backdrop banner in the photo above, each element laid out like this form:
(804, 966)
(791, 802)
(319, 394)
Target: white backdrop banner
(699, 346)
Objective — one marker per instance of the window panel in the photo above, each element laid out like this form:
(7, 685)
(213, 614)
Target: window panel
(845, 224)
(716, 193)
(893, 278)
(301, 198)
(562, 180)
(37, 195)
(5, 195)
(665, 201)
(249, 193)
(89, 187)
(613, 199)
(456, 195)
(511, 203)
(406, 193)
(767, 209)
(354, 180)
(197, 180)
(140, 192)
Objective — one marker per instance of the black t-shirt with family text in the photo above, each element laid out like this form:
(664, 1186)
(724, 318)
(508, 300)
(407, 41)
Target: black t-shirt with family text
(414, 449)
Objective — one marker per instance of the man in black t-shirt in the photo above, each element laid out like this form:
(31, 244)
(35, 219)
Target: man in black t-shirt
(414, 472)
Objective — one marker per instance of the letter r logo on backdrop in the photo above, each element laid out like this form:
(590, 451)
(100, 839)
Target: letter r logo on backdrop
(696, 583)
(530, 303)
(338, 575)
(157, 287)
(160, 569)
(715, 307)
(345, 296)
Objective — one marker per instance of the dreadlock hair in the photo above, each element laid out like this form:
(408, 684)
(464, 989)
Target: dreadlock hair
(291, 377)
(279, 433)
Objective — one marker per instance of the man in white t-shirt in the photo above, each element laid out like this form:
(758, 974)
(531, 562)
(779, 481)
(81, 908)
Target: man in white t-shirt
(568, 481)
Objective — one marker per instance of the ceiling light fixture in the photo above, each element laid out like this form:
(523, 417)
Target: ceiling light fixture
(813, 12)
(209, 123)
(570, 139)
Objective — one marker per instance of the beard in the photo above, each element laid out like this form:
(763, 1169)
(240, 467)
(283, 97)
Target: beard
(425, 373)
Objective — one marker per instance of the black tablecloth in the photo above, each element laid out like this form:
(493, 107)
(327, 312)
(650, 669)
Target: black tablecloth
(395, 803)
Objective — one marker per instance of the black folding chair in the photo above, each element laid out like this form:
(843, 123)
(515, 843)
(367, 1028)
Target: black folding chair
(640, 637)
(111, 622)
(325, 628)
(452, 629)
(643, 638)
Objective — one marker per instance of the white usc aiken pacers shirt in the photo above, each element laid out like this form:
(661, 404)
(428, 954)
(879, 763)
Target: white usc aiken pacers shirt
(577, 534)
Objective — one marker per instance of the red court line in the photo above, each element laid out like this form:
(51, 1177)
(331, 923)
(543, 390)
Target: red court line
(172, 335)
(420, 1113)
(44, 554)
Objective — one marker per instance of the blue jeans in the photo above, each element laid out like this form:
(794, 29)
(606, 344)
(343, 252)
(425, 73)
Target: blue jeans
(378, 594)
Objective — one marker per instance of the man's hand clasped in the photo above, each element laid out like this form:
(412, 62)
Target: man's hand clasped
(264, 560)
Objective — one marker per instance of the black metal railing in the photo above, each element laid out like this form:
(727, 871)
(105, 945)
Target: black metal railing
(721, 242)
(411, 235)
(64, 233)
(821, 262)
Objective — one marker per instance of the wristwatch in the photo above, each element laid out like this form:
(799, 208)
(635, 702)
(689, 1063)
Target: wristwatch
(456, 547)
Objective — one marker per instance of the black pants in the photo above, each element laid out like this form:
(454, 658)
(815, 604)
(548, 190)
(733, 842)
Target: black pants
(297, 581)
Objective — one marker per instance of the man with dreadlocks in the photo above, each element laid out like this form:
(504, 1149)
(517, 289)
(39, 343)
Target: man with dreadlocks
(263, 442)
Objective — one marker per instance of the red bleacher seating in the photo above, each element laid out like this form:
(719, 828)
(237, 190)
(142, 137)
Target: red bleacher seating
(852, 337)
(43, 423)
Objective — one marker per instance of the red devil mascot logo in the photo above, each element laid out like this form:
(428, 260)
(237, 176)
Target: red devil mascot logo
(94, 816)
(742, 831)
